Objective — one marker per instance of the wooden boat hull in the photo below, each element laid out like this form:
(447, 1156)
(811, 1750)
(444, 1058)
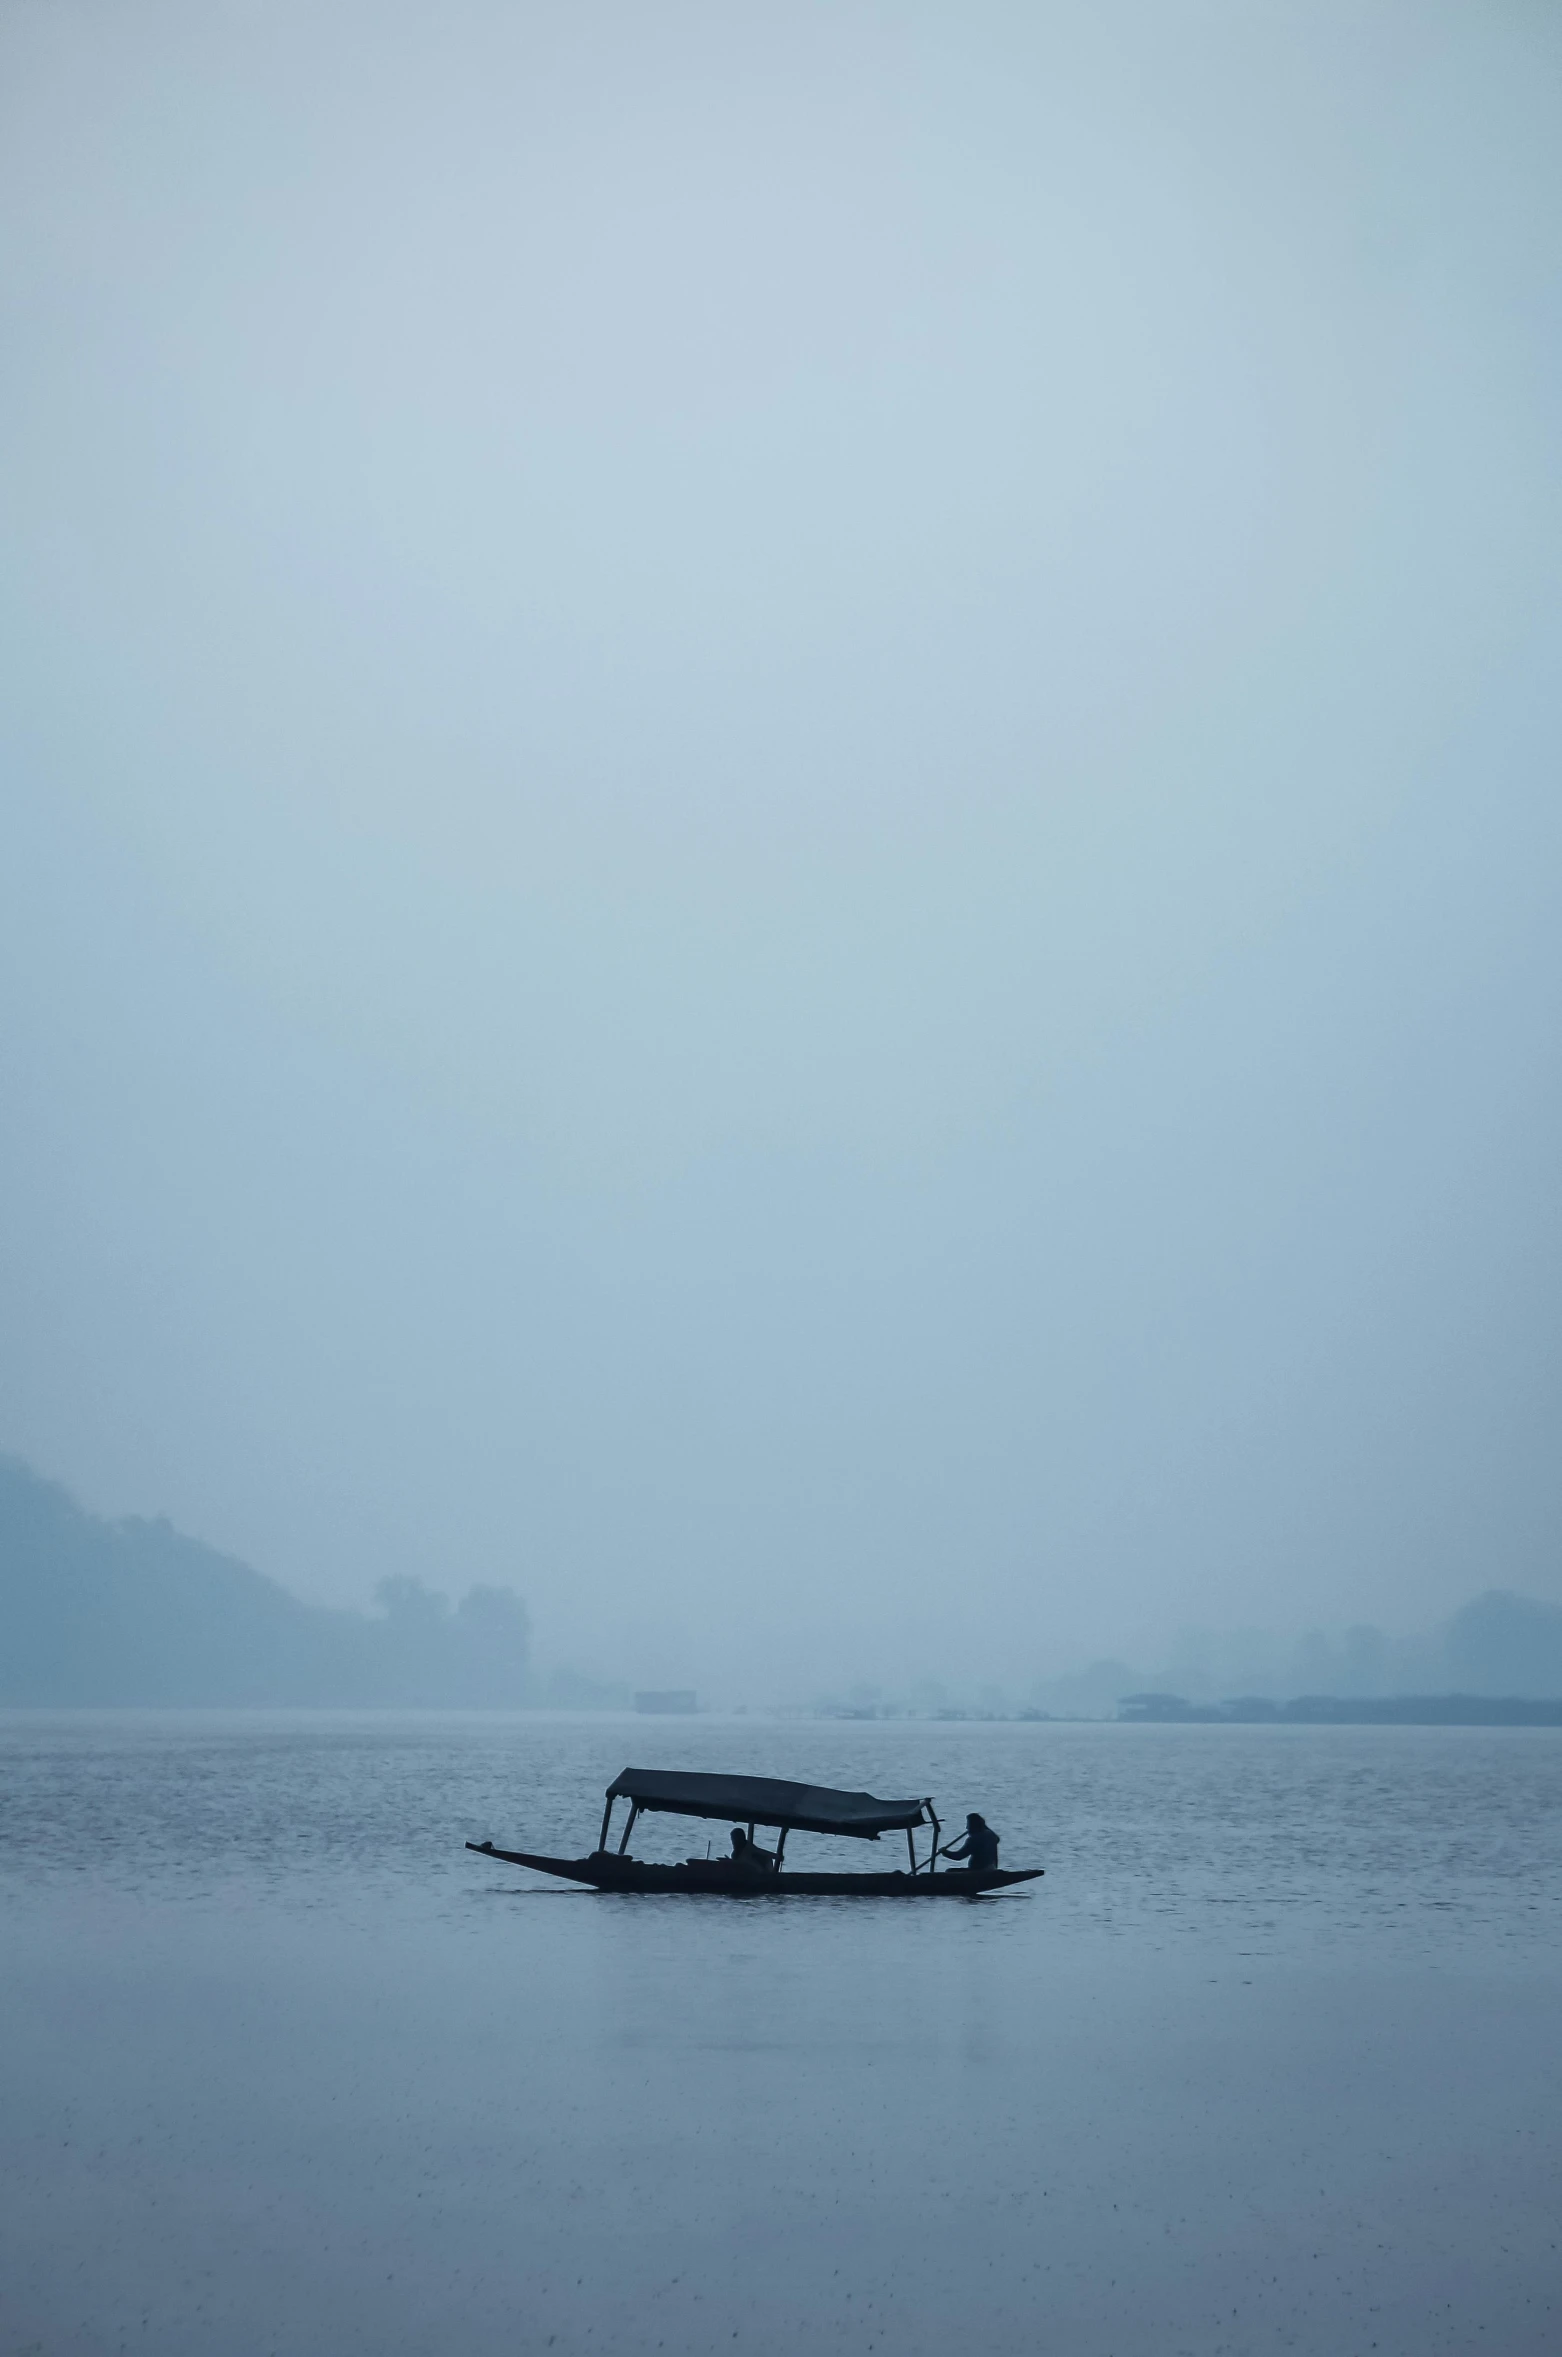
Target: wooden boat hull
(605, 1872)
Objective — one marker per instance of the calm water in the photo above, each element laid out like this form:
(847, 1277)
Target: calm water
(1270, 2060)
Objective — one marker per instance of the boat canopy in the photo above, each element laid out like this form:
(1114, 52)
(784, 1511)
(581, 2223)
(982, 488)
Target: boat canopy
(764, 1800)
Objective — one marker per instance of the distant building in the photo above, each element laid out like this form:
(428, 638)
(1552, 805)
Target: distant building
(677, 1702)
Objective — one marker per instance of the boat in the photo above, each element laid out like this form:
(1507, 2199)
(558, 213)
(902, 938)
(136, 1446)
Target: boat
(785, 1808)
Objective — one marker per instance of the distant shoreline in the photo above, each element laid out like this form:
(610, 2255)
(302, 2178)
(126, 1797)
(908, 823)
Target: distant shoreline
(1434, 1710)
(1332, 1710)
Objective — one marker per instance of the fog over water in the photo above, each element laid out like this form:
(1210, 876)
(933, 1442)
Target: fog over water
(780, 813)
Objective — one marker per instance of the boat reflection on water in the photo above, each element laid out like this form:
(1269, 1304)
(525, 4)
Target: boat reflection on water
(772, 1802)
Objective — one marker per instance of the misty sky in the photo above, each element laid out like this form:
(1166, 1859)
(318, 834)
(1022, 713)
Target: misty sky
(781, 824)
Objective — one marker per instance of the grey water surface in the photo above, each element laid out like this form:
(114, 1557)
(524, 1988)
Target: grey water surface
(1269, 2060)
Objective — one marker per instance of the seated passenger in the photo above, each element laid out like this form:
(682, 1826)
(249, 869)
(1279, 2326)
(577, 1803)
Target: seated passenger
(748, 1857)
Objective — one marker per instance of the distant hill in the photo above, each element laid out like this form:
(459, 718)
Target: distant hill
(1505, 1644)
(134, 1613)
(1500, 1659)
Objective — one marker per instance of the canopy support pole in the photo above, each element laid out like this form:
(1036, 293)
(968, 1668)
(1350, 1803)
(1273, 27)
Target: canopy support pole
(623, 1840)
(932, 1864)
(607, 1819)
(781, 1848)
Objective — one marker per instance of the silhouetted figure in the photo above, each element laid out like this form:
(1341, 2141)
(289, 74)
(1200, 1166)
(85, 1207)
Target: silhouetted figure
(748, 1857)
(979, 1848)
